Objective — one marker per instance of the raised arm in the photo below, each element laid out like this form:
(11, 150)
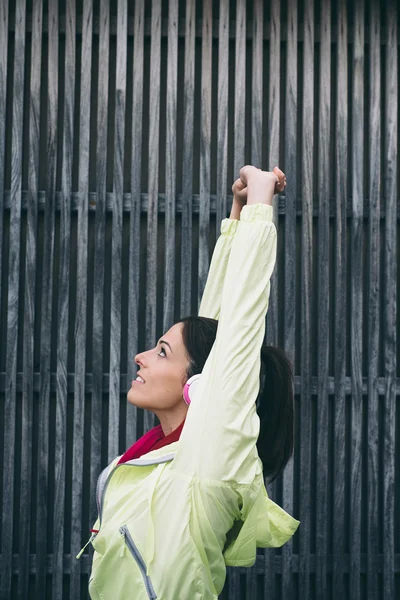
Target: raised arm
(211, 301)
(219, 439)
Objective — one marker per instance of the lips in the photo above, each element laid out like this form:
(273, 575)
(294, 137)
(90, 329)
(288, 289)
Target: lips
(139, 379)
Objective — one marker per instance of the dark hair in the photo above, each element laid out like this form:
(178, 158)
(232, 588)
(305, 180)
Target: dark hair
(275, 402)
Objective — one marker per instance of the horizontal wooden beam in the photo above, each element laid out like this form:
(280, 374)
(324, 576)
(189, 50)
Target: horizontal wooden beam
(124, 384)
(86, 564)
(92, 200)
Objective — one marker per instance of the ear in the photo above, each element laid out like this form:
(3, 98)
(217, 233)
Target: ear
(188, 389)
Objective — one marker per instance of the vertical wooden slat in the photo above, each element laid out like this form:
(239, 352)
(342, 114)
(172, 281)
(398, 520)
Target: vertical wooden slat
(3, 87)
(116, 248)
(273, 153)
(152, 209)
(289, 286)
(99, 234)
(357, 152)
(81, 297)
(257, 85)
(374, 171)
(341, 175)
(170, 167)
(134, 224)
(256, 153)
(187, 151)
(63, 301)
(13, 298)
(222, 112)
(240, 87)
(29, 300)
(324, 140)
(273, 146)
(205, 143)
(390, 168)
(307, 168)
(47, 301)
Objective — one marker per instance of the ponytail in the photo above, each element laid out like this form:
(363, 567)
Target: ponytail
(275, 400)
(275, 408)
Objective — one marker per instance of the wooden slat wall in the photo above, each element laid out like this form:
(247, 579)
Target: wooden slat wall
(122, 128)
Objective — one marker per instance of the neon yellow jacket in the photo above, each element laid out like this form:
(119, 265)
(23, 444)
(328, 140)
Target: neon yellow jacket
(171, 521)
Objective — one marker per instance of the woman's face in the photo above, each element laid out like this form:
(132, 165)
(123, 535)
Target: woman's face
(161, 374)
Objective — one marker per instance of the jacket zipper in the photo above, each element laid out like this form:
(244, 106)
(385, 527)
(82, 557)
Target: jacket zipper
(139, 561)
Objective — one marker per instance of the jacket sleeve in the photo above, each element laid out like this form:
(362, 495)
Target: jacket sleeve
(218, 441)
(212, 296)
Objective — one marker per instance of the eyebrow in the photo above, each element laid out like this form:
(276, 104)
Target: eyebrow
(166, 343)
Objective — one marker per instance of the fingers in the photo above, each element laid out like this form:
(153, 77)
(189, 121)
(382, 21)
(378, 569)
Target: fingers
(281, 183)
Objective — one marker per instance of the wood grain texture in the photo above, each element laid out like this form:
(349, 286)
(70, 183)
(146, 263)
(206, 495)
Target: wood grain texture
(324, 137)
(78, 537)
(390, 309)
(274, 147)
(205, 147)
(356, 293)
(60, 458)
(307, 163)
(239, 128)
(374, 281)
(116, 244)
(222, 113)
(3, 107)
(10, 397)
(99, 253)
(42, 510)
(170, 167)
(289, 285)
(152, 221)
(187, 159)
(29, 303)
(257, 84)
(340, 298)
(134, 223)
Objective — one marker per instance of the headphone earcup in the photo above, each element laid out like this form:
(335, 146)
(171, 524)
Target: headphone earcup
(188, 389)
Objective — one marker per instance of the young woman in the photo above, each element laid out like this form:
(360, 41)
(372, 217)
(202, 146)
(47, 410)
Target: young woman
(189, 497)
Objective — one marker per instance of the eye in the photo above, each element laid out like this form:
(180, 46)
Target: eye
(162, 352)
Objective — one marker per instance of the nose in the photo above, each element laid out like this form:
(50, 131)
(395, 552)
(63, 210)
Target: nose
(139, 359)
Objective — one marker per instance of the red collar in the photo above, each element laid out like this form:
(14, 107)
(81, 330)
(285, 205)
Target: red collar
(152, 440)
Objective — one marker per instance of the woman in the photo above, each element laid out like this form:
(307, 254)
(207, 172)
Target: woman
(189, 497)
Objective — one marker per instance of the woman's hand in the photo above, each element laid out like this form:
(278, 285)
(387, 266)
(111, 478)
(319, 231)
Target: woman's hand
(239, 191)
(262, 185)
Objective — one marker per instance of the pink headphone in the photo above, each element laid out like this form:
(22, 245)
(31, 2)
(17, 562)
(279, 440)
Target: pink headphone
(189, 388)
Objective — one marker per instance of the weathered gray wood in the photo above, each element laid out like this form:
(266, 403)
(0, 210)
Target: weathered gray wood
(29, 303)
(289, 285)
(340, 295)
(374, 184)
(240, 87)
(63, 303)
(3, 96)
(257, 85)
(116, 244)
(47, 303)
(99, 236)
(273, 147)
(187, 161)
(13, 299)
(222, 112)
(134, 224)
(152, 224)
(170, 165)
(307, 168)
(205, 147)
(77, 535)
(390, 310)
(324, 136)
(356, 292)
